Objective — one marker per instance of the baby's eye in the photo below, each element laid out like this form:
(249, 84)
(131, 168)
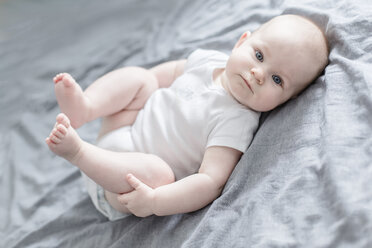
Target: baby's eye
(259, 56)
(277, 79)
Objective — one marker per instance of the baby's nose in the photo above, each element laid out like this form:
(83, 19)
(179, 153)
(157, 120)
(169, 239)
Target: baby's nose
(258, 75)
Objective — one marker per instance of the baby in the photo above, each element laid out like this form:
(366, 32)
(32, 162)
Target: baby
(172, 135)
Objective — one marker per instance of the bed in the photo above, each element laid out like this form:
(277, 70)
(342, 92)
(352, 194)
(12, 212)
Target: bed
(305, 181)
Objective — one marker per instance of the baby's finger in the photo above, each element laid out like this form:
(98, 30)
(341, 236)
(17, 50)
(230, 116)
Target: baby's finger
(133, 181)
(123, 199)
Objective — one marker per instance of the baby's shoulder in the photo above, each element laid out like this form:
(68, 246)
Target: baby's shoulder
(202, 57)
(236, 112)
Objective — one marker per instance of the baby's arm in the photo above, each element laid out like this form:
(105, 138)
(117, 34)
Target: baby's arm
(188, 194)
(167, 72)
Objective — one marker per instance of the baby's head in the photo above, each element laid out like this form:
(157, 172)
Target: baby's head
(276, 62)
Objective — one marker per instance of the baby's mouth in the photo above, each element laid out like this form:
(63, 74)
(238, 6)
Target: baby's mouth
(246, 82)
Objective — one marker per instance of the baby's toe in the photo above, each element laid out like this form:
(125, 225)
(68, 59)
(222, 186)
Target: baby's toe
(61, 129)
(55, 139)
(49, 142)
(68, 80)
(58, 77)
(57, 133)
(63, 119)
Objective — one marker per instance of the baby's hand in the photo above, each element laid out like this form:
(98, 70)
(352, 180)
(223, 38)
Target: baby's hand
(140, 200)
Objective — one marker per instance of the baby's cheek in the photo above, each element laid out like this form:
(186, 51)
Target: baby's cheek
(235, 61)
(269, 102)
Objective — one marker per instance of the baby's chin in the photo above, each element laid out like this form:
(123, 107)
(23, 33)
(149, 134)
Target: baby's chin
(265, 107)
(257, 108)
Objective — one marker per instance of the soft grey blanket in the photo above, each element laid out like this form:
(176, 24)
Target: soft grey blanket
(305, 181)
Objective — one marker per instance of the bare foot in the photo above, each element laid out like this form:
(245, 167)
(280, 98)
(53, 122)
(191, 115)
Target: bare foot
(71, 99)
(63, 140)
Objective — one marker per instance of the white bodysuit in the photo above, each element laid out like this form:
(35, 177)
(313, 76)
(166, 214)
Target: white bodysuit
(178, 123)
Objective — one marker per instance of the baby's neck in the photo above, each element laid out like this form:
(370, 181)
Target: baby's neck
(219, 78)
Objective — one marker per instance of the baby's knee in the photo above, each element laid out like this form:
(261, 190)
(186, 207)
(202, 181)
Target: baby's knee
(146, 82)
(145, 76)
(161, 172)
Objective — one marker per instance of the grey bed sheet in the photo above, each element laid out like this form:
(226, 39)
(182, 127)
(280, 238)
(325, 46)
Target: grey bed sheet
(305, 181)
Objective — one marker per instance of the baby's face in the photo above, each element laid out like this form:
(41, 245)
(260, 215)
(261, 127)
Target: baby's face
(269, 67)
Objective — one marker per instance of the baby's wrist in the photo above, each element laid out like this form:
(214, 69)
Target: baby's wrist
(154, 203)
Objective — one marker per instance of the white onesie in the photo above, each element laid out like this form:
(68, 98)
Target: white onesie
(178, 123)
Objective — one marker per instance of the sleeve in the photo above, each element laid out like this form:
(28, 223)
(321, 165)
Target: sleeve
(201, 57)
(235, 130)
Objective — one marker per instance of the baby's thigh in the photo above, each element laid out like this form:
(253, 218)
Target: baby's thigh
(117, 120)
(149, 86)
(113, 201)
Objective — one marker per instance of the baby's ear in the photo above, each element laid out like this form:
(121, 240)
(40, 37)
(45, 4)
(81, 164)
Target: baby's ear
(243, 38)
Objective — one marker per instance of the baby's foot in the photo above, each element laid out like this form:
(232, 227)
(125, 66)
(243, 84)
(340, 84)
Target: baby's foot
(71, 99)
(63, 140)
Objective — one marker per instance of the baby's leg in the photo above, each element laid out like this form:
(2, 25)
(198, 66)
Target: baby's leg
(123, 89)
(107, 168)
(112, 199)
(115, 121)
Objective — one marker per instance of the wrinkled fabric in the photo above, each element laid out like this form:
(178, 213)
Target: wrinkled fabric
(303, 182)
